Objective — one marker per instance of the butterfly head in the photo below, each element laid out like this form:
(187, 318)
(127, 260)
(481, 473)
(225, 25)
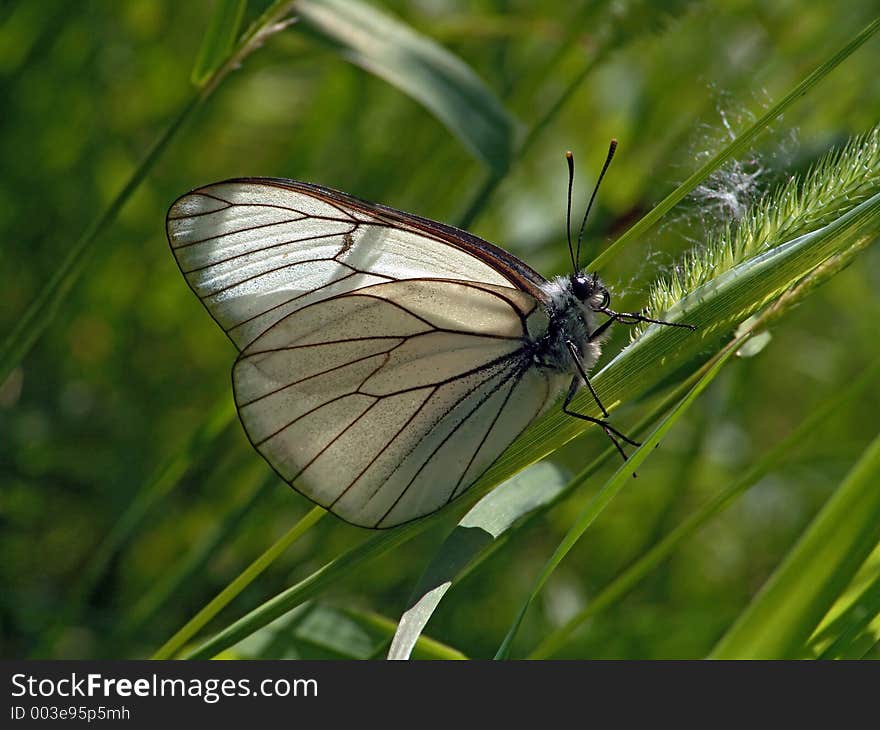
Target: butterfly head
(589, 290)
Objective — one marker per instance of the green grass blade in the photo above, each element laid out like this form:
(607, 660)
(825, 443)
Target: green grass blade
(219, 38)
(425, 648)
(247, 576)
(609, 490)
(834, 637)
(735, 149)
(162, 481)
(45, 306)
(422, 69)
(837, 182)
(852, 629)
(478, 533)
(311, 586)
(255, 485)
(636, 572)
(780, 619)
(322, 631)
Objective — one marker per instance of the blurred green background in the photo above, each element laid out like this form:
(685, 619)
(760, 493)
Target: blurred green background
(132, 365)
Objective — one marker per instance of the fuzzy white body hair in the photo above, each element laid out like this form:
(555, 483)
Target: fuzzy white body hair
(570, 320)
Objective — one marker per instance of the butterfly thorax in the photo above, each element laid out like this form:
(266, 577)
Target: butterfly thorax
(572, 306)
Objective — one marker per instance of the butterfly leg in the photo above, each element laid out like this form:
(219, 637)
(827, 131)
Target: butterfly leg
(611, 432)
(576, 359)
(600, 330)
(635, 318)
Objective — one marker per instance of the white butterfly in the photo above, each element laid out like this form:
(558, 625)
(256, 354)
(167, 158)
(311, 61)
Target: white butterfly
(386, 360)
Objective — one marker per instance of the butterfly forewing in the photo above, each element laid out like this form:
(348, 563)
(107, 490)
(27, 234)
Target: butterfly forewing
(385, 359)
(256, 250)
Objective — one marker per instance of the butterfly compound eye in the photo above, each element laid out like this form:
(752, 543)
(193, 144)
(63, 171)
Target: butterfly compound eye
(582, 287)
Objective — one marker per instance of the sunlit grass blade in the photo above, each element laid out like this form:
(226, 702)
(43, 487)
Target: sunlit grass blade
(247, 576)
(852, 624)
(609, 490)
(425, 648)
(735, 149)
(162, 481)
(836, 183)
(478, 534)
(421, 68)
(255, 484)
(858, 627)
(642, 567)
(219, 38)
(42, 310)
(323, 631)
(780, 619)
(311, 586)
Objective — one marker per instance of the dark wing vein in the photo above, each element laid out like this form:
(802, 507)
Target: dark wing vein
(485, 436)
(452, 432)
(235, 232)
(515, 270)
(437, 419)
(302, 380)
(279, 268)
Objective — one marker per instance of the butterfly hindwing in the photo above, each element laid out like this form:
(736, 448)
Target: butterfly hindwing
(385, 403)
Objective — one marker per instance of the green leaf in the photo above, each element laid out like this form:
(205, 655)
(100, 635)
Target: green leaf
(780, 619)
(421, 68)
(219, 39)
(609, 490)
(480, 532)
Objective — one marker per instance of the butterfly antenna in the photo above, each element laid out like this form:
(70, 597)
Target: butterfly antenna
(612, 148)
(569, 157)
